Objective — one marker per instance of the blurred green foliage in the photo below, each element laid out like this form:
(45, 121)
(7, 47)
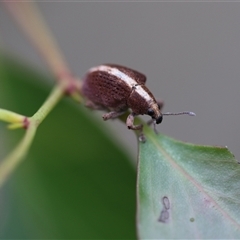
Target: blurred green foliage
(75, 182)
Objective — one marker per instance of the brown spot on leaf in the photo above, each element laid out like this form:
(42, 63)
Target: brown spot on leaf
(166, 202)
(164, 215)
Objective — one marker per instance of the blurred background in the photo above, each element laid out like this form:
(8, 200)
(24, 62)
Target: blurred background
(189, 52)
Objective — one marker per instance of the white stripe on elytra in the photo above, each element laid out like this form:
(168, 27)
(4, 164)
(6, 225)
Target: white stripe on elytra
(128, 80)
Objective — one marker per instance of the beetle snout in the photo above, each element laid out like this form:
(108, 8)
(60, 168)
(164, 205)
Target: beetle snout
(159, 119)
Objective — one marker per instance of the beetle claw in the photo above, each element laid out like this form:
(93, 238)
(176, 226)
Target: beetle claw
(112, 115)
(142, 138)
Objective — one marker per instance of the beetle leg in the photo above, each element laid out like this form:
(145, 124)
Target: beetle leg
(130, 123)
(142, 137)
(154, 127)
(153, 121)
(112, 115)
(93, 106)
(150, 122)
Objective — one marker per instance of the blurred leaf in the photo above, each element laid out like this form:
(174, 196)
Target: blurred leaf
(187, 191)
(75, 182)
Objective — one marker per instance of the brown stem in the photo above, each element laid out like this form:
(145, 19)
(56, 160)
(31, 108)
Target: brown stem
(31, 21)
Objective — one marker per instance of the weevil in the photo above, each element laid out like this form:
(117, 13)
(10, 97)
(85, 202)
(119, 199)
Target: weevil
(116, 88)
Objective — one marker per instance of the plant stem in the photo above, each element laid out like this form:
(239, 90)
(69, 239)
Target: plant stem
(50, 103)
(31, 21)
(8, 164)
(11, 117)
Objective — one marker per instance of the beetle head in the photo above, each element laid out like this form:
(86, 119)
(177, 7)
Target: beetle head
(142, 101)
(155, 113)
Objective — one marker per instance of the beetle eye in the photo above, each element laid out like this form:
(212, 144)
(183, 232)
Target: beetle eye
(159, 119)
(150, 112)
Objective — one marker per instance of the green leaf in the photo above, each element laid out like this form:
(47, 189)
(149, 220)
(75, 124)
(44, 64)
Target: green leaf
(75, 182)
(187, 191)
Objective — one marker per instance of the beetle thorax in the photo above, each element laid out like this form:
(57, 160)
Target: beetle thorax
(140, 99)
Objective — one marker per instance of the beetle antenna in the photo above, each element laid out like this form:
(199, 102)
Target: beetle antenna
(180, 113)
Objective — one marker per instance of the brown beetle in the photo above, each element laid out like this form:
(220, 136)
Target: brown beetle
(117, 88)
